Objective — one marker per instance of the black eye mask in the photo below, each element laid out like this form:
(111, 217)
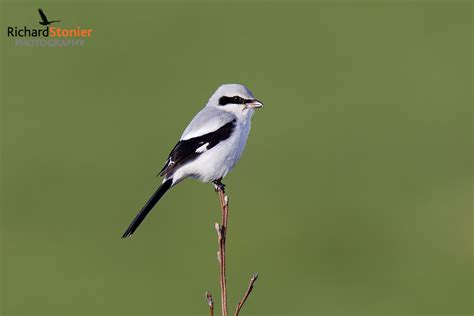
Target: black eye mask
(233, 100)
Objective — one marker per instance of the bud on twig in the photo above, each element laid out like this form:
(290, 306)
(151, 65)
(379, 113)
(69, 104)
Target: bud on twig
(210, 302)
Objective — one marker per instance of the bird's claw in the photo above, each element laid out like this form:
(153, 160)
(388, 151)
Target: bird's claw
(218, 186)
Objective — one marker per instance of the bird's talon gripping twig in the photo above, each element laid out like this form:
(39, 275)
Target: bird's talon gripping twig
(218, 186)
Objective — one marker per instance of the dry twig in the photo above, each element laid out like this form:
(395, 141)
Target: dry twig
(246, 295)
(221, 236)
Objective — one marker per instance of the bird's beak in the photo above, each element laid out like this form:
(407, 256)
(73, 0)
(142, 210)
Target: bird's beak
(254, 104)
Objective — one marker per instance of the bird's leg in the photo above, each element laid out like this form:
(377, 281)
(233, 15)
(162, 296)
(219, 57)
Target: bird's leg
(218, 185)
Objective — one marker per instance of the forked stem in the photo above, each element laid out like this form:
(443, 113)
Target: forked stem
(221, 230)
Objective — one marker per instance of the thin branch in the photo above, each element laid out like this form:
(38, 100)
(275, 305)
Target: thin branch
(221, 230)
(221, 234)
(246, 295)
(210, 302)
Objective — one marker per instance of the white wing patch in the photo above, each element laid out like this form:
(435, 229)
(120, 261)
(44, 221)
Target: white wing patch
(203, 148)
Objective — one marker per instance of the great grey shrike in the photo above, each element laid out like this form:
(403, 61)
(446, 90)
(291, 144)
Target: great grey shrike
(210, 146)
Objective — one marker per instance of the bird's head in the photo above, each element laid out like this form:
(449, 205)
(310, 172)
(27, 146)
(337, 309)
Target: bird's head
(235, 98)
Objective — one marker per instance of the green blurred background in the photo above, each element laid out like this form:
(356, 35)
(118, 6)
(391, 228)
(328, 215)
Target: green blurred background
(353, 197)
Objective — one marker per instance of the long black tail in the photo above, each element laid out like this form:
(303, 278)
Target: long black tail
(165, 186)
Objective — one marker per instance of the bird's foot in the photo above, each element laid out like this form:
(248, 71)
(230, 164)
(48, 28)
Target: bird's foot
(218, 185)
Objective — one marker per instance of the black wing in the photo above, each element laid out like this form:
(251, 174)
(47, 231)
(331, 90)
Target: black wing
(43, 16)
(187, 150)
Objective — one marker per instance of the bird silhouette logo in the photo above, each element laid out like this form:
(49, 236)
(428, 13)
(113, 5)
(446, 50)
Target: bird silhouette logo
(44, 19)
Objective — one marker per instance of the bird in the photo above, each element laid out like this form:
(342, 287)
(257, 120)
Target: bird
(44, 19)
(210, 145)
